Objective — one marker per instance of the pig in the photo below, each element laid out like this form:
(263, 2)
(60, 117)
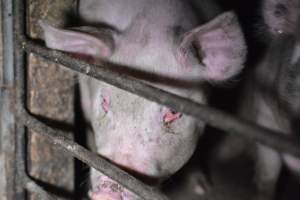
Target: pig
(167, 38)
(272, 100)
(277, 91)
(271, 96)
(281, 17)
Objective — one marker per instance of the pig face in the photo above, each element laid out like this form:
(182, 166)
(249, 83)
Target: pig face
(281, 16)
(213, 52)
(162, 39)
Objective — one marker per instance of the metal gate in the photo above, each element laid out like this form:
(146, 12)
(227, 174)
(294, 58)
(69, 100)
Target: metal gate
(15, 117)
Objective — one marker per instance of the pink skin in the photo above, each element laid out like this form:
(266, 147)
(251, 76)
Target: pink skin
(214, 48)
(105, 196)
(182, 57)
(171, 116)
(105, 103)
(110, 190)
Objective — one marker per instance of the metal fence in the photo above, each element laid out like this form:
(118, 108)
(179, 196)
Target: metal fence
(17, 45)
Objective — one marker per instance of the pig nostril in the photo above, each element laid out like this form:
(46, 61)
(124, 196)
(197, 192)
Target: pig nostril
(170, 116)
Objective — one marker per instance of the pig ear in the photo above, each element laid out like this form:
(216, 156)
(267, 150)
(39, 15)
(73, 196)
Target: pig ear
(217, 47)
(88, 41)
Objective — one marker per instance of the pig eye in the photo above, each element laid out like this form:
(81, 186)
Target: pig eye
(280, 10)
(171, 116)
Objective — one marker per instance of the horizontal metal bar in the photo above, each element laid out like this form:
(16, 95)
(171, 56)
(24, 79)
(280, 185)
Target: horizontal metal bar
(211, 116)
(105, 72)
(58, 138)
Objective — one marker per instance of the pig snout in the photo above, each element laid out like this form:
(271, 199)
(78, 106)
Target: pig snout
(108, 189)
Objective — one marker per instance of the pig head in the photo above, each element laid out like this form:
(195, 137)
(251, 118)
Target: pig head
(158, 37)
(281, 17)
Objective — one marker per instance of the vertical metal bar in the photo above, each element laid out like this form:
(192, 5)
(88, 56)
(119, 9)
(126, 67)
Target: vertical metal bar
(7, 117)
(20, 163)
(217, 120)
(19, 29)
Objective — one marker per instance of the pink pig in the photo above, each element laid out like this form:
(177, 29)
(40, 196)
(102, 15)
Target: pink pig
(161, 37)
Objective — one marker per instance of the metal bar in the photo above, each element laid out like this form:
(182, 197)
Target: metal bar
(211, 116)
(7, 117)
(7, 39)
(106, 73)
(92, 159)
(20, 173)
(20, 94)
(20, 72)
